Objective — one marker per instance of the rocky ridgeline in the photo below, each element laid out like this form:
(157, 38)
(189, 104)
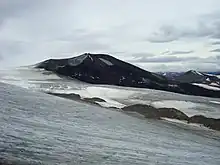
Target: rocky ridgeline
(76, 97)
(172, 113)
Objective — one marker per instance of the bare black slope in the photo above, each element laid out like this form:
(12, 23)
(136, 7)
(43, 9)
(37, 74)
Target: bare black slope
(105, 69)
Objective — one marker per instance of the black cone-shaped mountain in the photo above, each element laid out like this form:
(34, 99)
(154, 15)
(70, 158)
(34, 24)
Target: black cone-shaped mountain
(105, 69)
(102, 69)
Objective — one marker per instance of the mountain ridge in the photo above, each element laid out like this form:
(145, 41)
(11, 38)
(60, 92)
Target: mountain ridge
(105, 69)
(193, 77)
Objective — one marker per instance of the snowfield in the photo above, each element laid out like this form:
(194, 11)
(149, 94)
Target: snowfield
(39, 80)
(184, 106)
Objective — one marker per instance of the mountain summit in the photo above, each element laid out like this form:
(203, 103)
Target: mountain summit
(105, 69)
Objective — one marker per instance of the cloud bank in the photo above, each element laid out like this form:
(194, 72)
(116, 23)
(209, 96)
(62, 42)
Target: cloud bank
(31, 31)
(177, 52)
(215, 50)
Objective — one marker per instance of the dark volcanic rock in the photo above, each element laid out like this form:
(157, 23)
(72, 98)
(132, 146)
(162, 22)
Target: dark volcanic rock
(172, 113)
(105, 69)
(71, 96)
(146, 110)
(154, 113)
(208, 122)
(94, 99)
(151, 112)
(77, 97)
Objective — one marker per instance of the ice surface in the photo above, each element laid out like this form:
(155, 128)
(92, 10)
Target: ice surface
(113, 95)
(39, 129)
(198, 126)
(173, 104)
(110, 95)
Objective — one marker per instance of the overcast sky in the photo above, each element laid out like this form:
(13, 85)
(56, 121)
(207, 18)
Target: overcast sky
(157, 35)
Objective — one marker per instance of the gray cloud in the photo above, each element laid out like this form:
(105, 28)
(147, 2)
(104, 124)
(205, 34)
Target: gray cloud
(161, 39)
(141, 55)
(165, 34)
(211, 63)
(215, 60)
(215, 50)
(9, 48)
(207, 26)
(177, 52)
(216, 43)
(164, 59)
(83, 40)
(14, 8)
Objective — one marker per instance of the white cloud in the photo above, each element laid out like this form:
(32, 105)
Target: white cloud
(178, 52)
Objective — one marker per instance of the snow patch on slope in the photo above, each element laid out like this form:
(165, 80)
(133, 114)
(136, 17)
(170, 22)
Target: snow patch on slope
(214, 84)
(208, 79)
(173, 104)
(207, 86)
(106, 61)
(77, 60)
(215, 102)
(196, 72)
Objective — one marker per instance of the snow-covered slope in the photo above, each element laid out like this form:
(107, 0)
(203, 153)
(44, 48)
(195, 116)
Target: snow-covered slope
(115, 96)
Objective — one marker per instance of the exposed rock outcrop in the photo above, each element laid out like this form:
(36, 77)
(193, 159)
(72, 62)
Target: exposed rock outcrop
(151, 112)
(94, 99)
(71, 96)
(77, 97)
(208, 122)
(154, 113)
